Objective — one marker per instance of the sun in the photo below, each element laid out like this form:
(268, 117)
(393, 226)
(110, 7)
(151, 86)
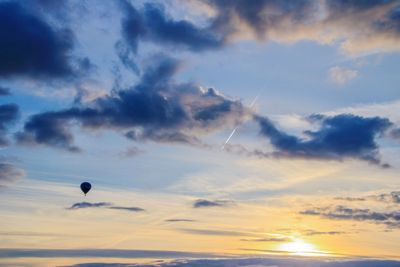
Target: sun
(299, 247)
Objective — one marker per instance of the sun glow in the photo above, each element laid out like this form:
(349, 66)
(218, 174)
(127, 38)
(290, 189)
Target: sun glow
(299, 247)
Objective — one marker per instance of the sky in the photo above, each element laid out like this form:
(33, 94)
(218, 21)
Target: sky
(213, 133)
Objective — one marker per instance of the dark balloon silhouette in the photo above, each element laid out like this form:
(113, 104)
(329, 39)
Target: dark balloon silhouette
(85, 187)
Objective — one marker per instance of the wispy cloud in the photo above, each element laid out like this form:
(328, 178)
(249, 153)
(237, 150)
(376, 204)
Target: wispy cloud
(268, 239)
(342, 76)
(85, 205)
(217, 232)
(133, 209)
(389, 218)
(8, 115)
(391, 197)
(204, 203)
(10, 173)
(131, 152)
(179, 220)
(98, 253)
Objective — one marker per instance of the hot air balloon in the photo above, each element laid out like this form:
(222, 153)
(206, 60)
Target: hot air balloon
(85, 187)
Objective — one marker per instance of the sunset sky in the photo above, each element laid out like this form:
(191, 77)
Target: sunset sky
(209, 129)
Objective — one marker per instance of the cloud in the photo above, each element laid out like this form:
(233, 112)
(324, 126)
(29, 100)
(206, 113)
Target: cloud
(133, 209)
(163, 137)
(101, 253)
(340, 136)
(179, 220)
(313, 232)
(259, 19)
(131, 152)
(8, 114)
(155, 109)
(10, 173)
(182, 33)
(27, 234)
(390, 218)
(153, 24)
(395, 196)
(395, 133)
(257, 262)
(350, 198)
(342, 76)
(392, 197)
(214, 232)
(358, 27)
(31, 47)
(84, 205)
(5, 91)
(269, 239)
(203, 203)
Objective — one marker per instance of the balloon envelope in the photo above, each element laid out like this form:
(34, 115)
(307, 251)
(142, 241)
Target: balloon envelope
(85, 187)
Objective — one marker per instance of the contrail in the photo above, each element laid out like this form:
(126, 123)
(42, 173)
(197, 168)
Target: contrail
(234, 130)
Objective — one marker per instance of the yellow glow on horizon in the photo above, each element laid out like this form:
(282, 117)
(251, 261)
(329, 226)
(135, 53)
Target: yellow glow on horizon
(300, 247)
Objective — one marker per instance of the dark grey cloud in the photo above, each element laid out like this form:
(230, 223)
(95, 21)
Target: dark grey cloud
(84, 205)
(8, 114)
(4, 91)
(126, 53)
(107, 205)
(153, 24)
(132, 209)
(182, 33)
(133, 26)
(389, 218)
(10, 173)
(156, 109)
(203, 203)
(340, 136)
(32, 47)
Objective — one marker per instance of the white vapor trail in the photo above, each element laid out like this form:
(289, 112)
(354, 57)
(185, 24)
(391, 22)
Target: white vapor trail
(234, 130)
